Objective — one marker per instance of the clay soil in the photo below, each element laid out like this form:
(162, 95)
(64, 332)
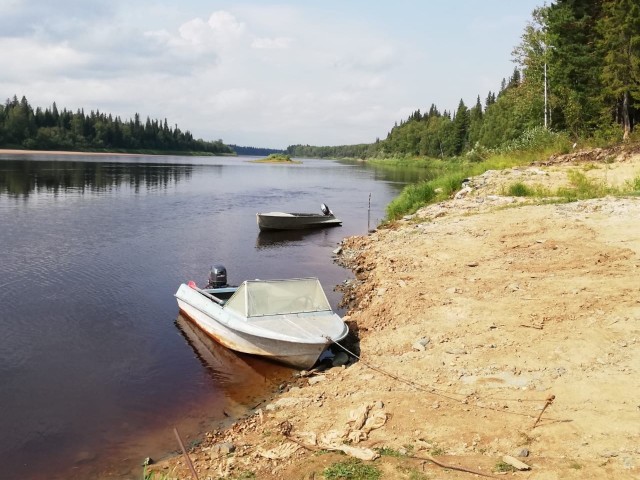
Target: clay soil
(484, 326)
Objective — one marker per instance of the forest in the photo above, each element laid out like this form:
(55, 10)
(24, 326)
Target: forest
(577, 75)
(50, 129)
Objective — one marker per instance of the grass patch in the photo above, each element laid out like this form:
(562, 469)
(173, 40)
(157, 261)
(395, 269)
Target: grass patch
(388, 452)
(446, 179)
(411, 199)
(575, 466)
(352, 469)
(437, 451)
(519, 189)
(634, 186)
(504, 467)
(417, 475)
(582, 188)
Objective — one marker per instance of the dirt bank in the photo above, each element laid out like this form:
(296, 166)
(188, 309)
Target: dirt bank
(488, 326)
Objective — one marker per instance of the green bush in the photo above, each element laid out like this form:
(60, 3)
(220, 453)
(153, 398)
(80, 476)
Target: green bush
(411, 199)
(519, 189)
(352, 469)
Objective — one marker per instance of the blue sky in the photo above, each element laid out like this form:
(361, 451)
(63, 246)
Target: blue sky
(258, 73)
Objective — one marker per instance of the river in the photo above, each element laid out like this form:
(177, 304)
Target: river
(96, 366)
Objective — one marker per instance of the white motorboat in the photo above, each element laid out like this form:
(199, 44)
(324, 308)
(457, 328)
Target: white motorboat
(288, 321)
(296, 221)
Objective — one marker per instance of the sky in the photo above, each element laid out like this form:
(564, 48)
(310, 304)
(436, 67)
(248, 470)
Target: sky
(260, 73)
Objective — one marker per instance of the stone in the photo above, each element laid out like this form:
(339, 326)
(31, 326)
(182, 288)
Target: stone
(314, 380)
(515, 463)
(223, 448)
(340, 359)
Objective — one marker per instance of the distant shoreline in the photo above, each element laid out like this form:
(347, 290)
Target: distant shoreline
(16, 151)
(64, 152)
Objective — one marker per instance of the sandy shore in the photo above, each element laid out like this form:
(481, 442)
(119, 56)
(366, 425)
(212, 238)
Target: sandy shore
(490, 328)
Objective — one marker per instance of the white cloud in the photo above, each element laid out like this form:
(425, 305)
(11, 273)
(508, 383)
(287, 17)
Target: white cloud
(226, 25)
(233, 99)
(28, 58)
(264, 75)
(277, 43)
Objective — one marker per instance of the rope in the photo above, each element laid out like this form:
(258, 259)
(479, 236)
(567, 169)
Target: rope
(432, 390)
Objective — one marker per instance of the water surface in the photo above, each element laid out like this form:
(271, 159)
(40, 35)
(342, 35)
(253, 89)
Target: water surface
(96, 366)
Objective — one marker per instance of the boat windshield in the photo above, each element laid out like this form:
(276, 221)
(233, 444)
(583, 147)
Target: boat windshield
(257, 298)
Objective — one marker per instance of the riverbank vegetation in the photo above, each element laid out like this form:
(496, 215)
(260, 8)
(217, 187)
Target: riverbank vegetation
(575, 85)
(277, 158)
(23, 127)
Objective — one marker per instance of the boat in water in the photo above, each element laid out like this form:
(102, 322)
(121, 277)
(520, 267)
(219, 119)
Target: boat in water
(296, 221)
(289, 321)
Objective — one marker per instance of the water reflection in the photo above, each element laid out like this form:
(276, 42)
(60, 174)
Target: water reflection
(20, 178)
(402, 174)
(235, 373)
(283, 238)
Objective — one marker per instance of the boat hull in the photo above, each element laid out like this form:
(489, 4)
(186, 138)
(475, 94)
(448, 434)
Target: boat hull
(295, 221)
(301, 354)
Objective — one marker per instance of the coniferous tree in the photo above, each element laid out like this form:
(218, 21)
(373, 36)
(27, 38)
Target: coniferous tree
(574, 66)
(619, 44)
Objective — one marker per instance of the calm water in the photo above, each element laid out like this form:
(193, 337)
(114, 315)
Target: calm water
(96, 366)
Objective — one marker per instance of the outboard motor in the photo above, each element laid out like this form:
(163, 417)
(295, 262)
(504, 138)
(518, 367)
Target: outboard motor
(217, 277)
(325, 209)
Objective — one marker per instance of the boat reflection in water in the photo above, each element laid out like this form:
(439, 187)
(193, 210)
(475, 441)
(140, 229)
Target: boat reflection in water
(243, 379)
(280, 238)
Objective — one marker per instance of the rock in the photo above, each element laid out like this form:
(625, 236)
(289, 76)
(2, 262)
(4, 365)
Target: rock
(421, 345)
(609, 454)
(318, 379)
(523, 453)
(463, 193)
(515, 463)
(222, 448)
(340, 359)
(337, 251)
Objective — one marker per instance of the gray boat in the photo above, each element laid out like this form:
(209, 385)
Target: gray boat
(297, 221)
(288, 321)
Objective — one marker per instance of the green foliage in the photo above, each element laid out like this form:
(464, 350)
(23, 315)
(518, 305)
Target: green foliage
(536, 139)
(277, 158)
(388, 452)
(352, 469)
(411, 199)
(519, 189)
(447, 178)
(437, 451)
(50, 129)
(342, 151)
(582, 188)
(152, 475)
(634, 185)
(504, 467)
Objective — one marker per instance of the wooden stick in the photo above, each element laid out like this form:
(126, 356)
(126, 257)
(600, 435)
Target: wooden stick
(186, 456)
(451, 467)
(548, 402)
